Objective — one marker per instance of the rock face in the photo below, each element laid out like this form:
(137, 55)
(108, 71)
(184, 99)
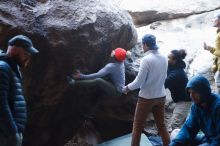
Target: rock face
(69, 35)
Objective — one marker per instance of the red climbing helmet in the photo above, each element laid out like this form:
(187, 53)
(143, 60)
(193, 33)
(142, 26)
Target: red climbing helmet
(119, 54)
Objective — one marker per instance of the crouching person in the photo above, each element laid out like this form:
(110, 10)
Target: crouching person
(204, 116)
(115, 70)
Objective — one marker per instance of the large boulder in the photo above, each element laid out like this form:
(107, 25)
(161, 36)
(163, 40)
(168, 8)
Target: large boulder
(70, 35)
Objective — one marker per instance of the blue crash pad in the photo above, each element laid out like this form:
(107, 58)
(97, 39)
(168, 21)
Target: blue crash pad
(126, 141)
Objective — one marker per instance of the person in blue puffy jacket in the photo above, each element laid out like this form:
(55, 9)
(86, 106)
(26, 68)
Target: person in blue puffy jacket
(13, 113)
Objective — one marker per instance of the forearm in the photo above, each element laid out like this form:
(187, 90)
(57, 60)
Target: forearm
(141, 76)
(135, 84)
(89, 76)
(101, 73)
(189, 129)
(183, 137)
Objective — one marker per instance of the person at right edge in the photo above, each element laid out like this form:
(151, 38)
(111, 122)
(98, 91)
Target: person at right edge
(216, 55)
(152, 95)
(202, 127)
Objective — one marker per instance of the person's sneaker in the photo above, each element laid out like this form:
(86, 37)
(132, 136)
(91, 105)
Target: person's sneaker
(70, 80)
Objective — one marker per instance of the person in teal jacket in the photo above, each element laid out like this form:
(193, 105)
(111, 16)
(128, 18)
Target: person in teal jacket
(204, 116)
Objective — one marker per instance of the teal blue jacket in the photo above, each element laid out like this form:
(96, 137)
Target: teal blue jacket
(205, 119)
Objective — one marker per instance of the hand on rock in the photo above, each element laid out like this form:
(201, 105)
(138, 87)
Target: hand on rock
(76, 75)
(70, 80)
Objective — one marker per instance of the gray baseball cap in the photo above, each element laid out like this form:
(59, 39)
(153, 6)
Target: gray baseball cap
(24, 42)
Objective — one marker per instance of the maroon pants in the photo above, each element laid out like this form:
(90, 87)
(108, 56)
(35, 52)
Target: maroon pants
(143, 108)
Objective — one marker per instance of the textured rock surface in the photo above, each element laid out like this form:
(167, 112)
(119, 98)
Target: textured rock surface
(80, 35)
(69, 35)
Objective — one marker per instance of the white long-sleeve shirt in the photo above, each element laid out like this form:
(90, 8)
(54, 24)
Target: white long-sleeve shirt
(151, 76)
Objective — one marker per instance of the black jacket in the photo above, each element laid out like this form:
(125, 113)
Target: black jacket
(13, 113)
(176, 82)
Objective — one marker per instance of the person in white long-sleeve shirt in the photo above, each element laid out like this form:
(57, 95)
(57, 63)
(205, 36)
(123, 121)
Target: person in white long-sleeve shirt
(150, 79)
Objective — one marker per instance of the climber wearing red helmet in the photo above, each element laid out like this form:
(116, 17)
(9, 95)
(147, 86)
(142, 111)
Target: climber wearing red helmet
(115, 70)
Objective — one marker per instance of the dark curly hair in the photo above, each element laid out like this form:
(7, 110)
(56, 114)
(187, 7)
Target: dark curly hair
(179, 54)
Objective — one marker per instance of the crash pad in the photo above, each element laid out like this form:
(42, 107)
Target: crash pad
(126, 141)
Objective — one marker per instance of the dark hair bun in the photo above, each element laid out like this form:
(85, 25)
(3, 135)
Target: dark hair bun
(182, 54)
(179, 54)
